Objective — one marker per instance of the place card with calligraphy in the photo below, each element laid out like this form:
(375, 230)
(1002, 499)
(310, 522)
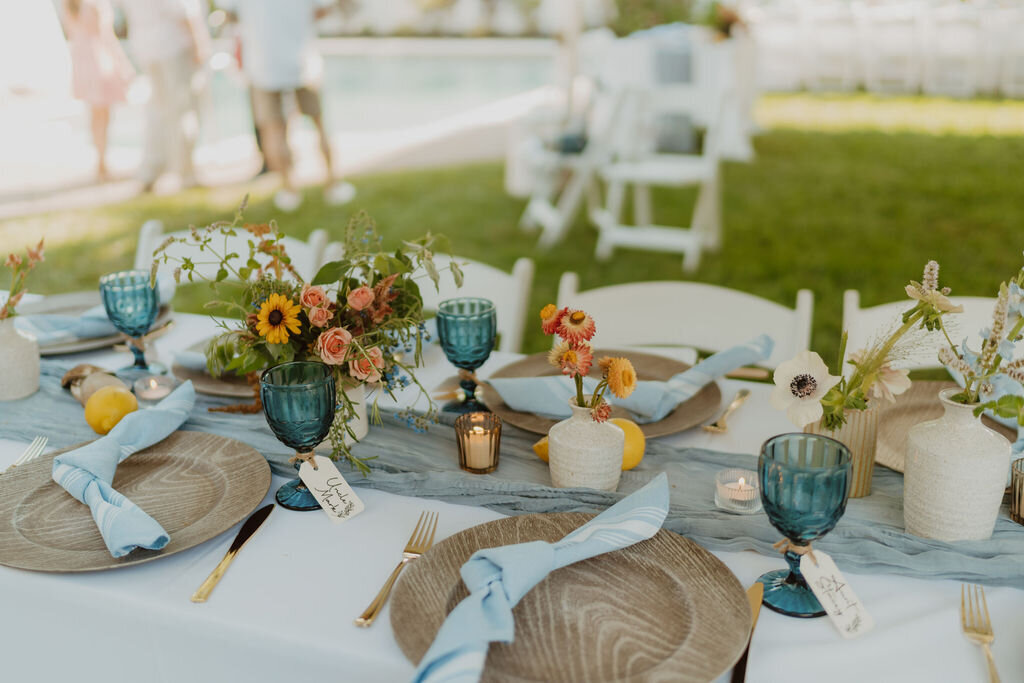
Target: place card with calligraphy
(330, 489)
(835, 595)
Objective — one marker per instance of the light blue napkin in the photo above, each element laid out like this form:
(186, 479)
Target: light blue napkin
(650, 402)
(55, 328)
(498, 578)
(87, 472)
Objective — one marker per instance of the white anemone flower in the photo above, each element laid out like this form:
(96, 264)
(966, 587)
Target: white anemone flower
(800, 384)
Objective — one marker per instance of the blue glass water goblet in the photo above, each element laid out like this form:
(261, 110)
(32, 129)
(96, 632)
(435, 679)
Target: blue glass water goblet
(805, 482)
(132, 303)
(466, 328)
(299, 399)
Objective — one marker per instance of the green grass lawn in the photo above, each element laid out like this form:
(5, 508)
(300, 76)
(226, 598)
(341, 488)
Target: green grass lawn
(833, 208)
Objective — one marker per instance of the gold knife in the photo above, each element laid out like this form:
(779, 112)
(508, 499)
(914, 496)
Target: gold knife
(754, 595)
(249, 528)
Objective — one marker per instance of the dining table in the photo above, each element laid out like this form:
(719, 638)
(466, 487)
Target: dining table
(285, 609)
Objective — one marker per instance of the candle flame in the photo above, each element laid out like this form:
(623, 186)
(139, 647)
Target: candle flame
(743, 482)
(478, 430)
(152, 383)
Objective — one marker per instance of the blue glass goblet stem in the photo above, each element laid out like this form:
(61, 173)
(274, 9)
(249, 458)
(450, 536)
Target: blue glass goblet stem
(466, 329)
(132, 304)
(299, 400)
(805, 483)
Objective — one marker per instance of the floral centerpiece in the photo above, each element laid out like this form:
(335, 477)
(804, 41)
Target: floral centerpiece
(19, 362)
(361, 315)
(838, 405)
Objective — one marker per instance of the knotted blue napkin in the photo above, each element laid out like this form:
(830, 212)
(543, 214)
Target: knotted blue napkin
(498, 578)
(87, 472)
(52, 328)
(650, 402)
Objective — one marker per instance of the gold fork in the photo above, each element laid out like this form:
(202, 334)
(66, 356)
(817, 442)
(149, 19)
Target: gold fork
(719, 426)
(420, 541)
(977, 625)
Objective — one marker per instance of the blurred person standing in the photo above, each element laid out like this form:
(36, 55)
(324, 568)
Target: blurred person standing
(100, 70)
(280, 60)
(170, 42)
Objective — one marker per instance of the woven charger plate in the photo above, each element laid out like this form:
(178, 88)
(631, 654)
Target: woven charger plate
(77, 303)
(648, 366)
(195, 485)
(231, 386)
(661, 610)
(919, 403)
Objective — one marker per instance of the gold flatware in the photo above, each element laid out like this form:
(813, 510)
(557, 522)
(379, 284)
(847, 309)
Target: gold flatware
(420, 541)
(754, 595)
(158, 332)
(977, 624)
(249, 528)
(719, 426)
(34, 450)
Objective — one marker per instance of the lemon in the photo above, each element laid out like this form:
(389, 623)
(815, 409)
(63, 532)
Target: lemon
(633, 452)
(541, 449)
(107, 406)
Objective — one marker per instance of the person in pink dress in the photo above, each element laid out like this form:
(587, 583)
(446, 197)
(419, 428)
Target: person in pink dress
(101, 72)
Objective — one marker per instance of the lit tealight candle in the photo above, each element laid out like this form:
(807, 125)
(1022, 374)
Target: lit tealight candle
(479, 436)
(737, 491)
(153, 388)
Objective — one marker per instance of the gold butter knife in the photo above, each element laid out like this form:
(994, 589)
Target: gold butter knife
(754, 595)
(249, 528)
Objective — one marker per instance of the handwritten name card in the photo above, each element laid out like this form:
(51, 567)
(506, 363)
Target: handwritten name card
(835, 595)
(330, 489)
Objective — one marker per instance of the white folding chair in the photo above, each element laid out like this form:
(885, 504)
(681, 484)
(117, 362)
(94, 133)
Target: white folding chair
(775, 29)
(891, 47)
(864, 325)
(510, 293)
(1009, 45)
(689, 314)
(953, 51)
(307, 257)
(644, 170)
(830, 37)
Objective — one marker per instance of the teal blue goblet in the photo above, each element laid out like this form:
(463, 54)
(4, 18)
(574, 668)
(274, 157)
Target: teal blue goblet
(132, 304)
(805, 482)
(466, 329)
(298, 401)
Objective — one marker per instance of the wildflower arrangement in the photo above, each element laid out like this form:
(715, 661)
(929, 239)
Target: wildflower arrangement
(362, 315)
(20, 268)
(806, 390)
(574, 356)
(990, 377)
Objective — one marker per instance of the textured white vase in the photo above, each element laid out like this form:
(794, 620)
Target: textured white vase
(954, 476)
(19, 362)
(584, 453)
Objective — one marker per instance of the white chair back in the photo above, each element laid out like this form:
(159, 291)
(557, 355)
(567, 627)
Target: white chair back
(697, 315)
(510, 293)
(307, 257)
(864, 325)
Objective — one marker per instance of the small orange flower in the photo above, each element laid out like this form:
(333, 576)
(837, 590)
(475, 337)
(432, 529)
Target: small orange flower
(621, 377)
(576, 326)
(549, 316)
(601, 412)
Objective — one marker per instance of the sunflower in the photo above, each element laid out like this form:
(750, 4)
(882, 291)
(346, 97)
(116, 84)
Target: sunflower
(621, 377)
(277, 317)
(576, 326)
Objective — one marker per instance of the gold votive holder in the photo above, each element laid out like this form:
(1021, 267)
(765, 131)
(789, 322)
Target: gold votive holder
(1017, 491)
(479, 438)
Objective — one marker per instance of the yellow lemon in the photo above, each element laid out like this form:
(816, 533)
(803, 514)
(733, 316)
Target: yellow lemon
(107, 406)
(541, 449)
(633, 452)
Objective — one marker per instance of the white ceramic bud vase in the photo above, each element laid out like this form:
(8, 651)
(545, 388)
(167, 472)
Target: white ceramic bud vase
(585, 454)
(19, 362)
(954, 476)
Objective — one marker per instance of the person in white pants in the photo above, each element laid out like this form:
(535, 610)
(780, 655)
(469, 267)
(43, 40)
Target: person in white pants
(169, 41)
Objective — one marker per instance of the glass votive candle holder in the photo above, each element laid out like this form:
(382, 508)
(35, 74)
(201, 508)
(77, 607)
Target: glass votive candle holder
(478, 435)
(1017, 491)
(738, 491)
(153, 387)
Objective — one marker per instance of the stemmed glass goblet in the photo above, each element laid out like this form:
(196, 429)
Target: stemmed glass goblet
(132, 303)
(805, 483)
(299, 400)
(466, 328)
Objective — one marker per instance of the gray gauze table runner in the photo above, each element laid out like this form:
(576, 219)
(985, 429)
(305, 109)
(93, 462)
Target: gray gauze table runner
(868, 539)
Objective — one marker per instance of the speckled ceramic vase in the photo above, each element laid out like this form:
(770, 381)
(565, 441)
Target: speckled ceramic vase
(19, 362)
(954, 476)
(584, 453)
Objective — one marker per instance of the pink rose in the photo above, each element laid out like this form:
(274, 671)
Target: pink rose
(312, 297)
(360, 298)
(319, 316)
(367, 369)
(332, 345)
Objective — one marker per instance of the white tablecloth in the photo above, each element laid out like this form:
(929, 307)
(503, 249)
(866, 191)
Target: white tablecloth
(284, 611)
